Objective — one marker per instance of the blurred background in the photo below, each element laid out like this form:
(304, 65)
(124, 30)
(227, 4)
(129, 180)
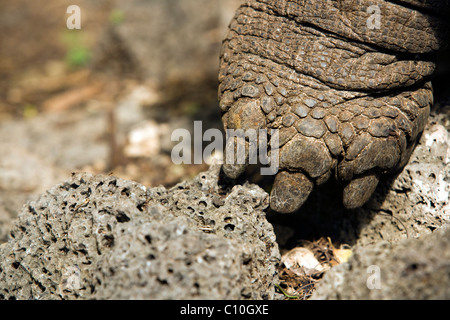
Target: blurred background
(104, 98)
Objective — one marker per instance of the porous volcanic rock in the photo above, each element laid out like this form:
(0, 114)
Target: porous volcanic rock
(101, 237)
(410, 269)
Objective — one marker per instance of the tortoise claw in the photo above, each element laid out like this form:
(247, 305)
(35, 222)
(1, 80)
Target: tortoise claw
(359, 190)
(290, 191)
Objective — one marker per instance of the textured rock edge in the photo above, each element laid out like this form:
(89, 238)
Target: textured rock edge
(100, 237)
(409, 269)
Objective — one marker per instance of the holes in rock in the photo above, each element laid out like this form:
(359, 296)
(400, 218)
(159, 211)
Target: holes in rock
(141, 206)
(48, 227)
(229, 227)
(15, 264)
(64, 249)
(432, 177)
(151, 256)
(32, 210)
(74, 186)
(148, 238)
(125, 192)
(178, 276)
(112, 183)
(202, 204)
(104, 211)
(88, 192)
(83, 251)
(413, 267)
(246, 260)
(207, 223)
(40, 285)
(162, 281)
(208, 258)
(108, 241)
(196, 289)
(122, 217)
(228, 219)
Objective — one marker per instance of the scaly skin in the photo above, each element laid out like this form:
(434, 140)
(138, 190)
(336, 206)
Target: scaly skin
(348, 100)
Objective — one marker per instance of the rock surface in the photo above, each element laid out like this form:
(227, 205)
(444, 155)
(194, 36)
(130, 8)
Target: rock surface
(414, 269)
(100, 237)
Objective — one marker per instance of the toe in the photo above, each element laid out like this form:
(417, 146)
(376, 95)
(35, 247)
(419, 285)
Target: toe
(236, 157)
(290, 191)
(359, 190)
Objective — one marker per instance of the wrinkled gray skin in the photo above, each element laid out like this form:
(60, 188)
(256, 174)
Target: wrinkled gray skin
(348, 100)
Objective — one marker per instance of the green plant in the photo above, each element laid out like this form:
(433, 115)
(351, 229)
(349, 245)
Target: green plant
(116, 16)
(78, 54)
